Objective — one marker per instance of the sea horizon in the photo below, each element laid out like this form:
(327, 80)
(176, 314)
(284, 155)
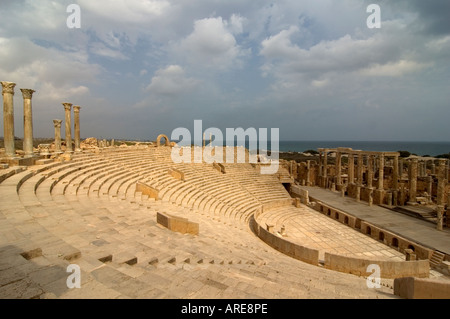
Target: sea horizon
(421, 148)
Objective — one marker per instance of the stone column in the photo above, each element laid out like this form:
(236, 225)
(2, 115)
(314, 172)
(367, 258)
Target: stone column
(68, 108)
(308, 167)
(320, 165)
(370, 171)
(433, 168)
(389, 199)
(440, 217)
(447, 170)
(401, 166)
(338, 169)
(325, 170)
(351, 169)
(395, 175)
(8, 118)
(440, 198)
(429, 188)
(402, 194)
(27, 122)
(413, 180)
(441, 182)
(57, 124)
(380, 172)
(76, 113)
(360, 169)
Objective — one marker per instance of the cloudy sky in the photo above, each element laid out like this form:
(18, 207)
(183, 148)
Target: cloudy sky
(313, 68)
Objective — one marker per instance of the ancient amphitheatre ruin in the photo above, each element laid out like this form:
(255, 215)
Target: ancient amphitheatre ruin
(139, 225)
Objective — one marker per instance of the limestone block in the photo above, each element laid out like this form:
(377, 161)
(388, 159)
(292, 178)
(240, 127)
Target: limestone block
(177, 224)
(147, 190)
(416, 288)
(177, 174)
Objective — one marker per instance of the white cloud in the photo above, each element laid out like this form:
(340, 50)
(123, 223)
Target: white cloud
(126, 11)
(171, 81)
(389, 52)
(61, 94)
(394, 69)
(56, 73)
(104, 51)
(212, 44)
(236, 24)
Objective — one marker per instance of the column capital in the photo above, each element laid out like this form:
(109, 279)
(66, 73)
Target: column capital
(27, 93)
(8, 87)
(57, 123)
(76, 108)
(67, 106)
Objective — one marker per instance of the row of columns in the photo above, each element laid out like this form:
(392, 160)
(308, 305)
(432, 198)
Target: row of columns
(397, 168)
(323, 168)
(8, 119)
(8, 123)
(68, 128)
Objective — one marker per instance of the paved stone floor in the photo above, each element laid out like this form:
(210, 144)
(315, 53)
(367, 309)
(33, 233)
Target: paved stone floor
(420, 231)
(314, 230)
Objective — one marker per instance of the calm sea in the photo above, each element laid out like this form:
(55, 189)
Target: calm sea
(418, 148)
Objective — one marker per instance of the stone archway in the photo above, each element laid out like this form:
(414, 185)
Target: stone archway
(158, 140)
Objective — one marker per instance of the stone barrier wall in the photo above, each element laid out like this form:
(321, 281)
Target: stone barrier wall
(301, 193)
(177, 224)
(416, 288)
(177, 174)
(147, 190)
(308, 255)
(389, 269)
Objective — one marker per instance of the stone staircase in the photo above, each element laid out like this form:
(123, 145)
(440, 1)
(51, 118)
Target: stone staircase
(437, 258)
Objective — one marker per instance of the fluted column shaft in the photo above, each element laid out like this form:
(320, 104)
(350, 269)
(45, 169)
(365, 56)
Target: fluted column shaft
(320, 164)
(370, 171)
(441, 182)
(8, 118)
(351, 169)
(76, 112)
(413, 180)
(57, 124)
(68, 108)
(360, 170)
(338, 168)
(27, 122)
(395, 174)
(380, 172)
